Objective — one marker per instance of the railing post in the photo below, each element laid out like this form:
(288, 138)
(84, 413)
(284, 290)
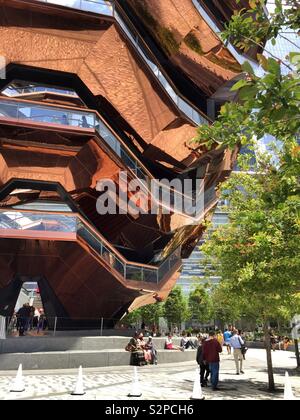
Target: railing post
(55, 326)
(101, 331)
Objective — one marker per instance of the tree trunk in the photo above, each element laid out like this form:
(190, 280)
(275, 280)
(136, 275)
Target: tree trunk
(297, 353)
(269, 359)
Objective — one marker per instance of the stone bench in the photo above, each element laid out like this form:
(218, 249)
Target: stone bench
(86, 359)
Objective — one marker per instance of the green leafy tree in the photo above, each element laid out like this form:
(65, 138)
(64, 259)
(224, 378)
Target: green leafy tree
(225, 307)
(150, 314)
(200, 304)
(257, 254)
(176, 307)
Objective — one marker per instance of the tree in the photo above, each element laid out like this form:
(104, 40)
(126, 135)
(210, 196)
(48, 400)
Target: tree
(200, 304)
(150, 314)
(176, 308)
(225, 307)
(257, 254)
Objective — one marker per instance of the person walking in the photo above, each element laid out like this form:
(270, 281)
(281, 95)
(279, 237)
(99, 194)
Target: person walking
(227, 336)
(220, 339)
(204, 367)
(237, 344)
(211, 355)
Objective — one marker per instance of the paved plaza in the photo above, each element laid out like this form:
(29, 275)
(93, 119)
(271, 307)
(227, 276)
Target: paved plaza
(162, 382)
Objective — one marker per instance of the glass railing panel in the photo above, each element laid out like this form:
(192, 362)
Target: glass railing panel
(8, 109)
(97, 6)
(150, 276)
(129, 162)
(163, 270)
(15, 91)
(107, 135)
(52, 115)
(67, 117)
(118, 265)
(89, 237)
(134, 273)
(175, 258)
(37, 222)
(72, 224)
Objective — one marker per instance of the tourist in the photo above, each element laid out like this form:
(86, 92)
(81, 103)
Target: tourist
(227, 336)
(211, 355)
(237, 344)
(23, 315)
(137, 353)
(284, 343)
(147, 352)
(220, 339)
(204, 367)
(150, 347)
(64, 120)
(169, 344)
(41, 321)
(84, 122)
(186, 342)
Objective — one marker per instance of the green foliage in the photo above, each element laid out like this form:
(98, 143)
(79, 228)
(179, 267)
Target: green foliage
(248, 28)
(150, 314)
(132, 318)
(257, 254)
(176, 307)
(270, 104)
(200, 304)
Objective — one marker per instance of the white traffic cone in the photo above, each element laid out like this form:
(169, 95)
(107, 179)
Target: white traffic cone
(79, 385)
(197, 390)
(288, 390)
(18, 384)
(135, 389)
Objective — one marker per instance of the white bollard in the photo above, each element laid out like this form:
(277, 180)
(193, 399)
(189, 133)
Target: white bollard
(197, 390)
(18, 384)
(79, 390)
(135, 389)
(288, 390)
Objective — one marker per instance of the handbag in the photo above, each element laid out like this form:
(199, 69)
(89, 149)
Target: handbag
(129, 347)
(244, 348)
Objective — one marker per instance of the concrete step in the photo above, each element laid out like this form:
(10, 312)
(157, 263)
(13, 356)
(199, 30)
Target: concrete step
(86, 359)
(30, 344)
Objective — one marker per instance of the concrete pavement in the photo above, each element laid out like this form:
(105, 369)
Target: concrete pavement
(162, 382)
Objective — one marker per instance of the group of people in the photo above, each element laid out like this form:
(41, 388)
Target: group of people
(209, 350)
(186, 342)
(28, 318)
(279, 342)
(142, 352)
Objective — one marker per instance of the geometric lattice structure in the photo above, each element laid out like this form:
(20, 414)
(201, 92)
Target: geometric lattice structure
(91, 90)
